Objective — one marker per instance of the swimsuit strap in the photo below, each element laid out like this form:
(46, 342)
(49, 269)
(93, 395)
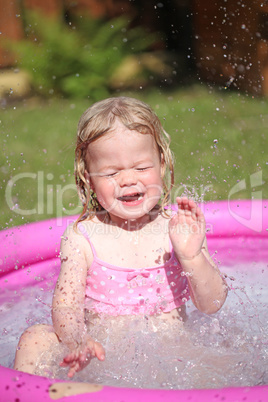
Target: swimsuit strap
(171, 250)
(83, 231)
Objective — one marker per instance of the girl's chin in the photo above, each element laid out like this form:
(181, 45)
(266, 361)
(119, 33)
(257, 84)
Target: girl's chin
(127, 214)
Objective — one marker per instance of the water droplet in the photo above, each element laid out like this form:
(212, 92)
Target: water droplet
(15, 206)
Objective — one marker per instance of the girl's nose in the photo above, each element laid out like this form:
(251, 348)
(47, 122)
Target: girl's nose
(127, 178)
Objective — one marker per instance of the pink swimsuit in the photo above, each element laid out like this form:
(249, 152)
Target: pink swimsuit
(116, 291)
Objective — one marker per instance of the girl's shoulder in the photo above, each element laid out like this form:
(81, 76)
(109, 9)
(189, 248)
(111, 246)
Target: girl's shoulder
(71, 235)
(75, 241)
(91, 228)
(78, 233)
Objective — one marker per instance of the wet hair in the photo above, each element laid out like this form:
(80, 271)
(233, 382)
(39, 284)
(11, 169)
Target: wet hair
(97, 121)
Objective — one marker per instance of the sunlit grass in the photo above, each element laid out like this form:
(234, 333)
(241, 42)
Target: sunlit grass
(218, 137)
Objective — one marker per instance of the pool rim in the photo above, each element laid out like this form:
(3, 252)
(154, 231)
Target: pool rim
(228, 229)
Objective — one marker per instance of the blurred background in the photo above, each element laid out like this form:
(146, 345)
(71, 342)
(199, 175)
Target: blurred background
(201, 64)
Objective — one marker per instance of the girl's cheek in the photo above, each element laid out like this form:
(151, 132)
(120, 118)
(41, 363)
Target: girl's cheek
(111, 185)
(106, 188)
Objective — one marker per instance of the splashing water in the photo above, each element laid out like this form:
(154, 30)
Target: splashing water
(225, 349)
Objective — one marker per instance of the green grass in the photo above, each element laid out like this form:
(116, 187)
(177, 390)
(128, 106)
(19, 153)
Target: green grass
(38, 136)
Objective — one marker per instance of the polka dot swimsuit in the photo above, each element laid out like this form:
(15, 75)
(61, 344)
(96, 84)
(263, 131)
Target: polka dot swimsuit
(116, 291)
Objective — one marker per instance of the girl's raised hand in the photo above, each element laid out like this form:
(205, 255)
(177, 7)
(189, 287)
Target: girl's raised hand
(187, 229)
(80, 357)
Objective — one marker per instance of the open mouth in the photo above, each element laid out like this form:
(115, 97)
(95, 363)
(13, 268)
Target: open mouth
(131, 197)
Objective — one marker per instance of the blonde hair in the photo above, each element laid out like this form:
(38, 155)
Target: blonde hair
(98, 120)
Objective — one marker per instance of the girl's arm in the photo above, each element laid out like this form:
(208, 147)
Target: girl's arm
(208, 289)
(68, 304)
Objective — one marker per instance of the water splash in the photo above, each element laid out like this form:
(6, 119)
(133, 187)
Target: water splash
(226, 349)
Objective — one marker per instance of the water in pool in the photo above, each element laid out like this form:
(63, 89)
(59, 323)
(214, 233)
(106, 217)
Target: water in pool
(228, 348)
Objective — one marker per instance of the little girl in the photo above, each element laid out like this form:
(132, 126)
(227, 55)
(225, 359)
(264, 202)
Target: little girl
(128, 254)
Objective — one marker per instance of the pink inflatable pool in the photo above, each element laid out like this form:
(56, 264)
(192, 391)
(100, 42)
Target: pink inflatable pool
(238, 230)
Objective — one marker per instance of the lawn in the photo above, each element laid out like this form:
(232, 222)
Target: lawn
(219, 138)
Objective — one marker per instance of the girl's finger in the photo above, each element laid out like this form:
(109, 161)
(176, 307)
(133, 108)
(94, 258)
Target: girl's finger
(99, 350)
(73, 370)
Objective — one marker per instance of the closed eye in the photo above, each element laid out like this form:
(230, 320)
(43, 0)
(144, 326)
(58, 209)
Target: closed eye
(143, 168)
(107, 174)
(110, 174)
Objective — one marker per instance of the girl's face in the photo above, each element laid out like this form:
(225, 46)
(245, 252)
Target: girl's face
(124, 170)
